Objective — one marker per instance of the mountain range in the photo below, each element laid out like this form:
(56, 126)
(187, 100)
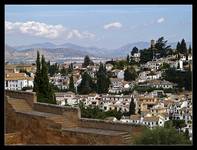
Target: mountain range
(54, 52)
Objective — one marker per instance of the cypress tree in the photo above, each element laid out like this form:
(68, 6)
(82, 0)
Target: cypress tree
(190, 49)
(103, 80)
(43, 88)
(71, 84)
(178, 46)
(128, 59)
(183, 47)
(37, 74)
(86, 85)
(132, 107)
(87, 61)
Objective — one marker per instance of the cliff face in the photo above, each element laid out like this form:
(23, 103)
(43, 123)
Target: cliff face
(29, 122)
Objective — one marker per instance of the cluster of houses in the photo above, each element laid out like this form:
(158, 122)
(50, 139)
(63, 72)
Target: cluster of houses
(14, 80)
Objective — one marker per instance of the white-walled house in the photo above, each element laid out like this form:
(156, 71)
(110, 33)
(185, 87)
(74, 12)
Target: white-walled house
(16, 81)
(120, 74)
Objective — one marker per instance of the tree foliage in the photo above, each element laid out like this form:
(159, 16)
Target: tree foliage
(52, 69)
(130, 74)
(71, 84)
(183, 79)
(132, 107)
(134, 50)
(96, 113)
(42, 87)
(103, 80)
(160, 135)
(87, 61)
(162, 48)
(87, 85)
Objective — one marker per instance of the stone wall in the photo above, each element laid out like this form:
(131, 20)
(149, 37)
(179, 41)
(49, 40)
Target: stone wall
(13, 138)
(102, 124)
(35, 128)
(30, 97)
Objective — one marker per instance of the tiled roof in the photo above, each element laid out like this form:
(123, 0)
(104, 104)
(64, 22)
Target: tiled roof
(135, 117)
(150, 119)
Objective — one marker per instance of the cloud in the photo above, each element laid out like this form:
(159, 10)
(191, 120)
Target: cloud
(76, 33)
(160, 20)
(112, 25)
(39, 29)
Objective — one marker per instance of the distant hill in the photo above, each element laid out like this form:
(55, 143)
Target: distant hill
(55, 52)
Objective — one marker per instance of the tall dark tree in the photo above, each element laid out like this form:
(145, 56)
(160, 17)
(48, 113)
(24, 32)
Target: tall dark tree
(130, 74)
(43, 88)
(128, 59)
(87, 85)
(103, 80)
(183, 47)
(46, 91)
(178, 47)
(190, 49)
(70, 68)
(37, 74)
(132, 107)
(161, 47)
(146, 55)
(71, 84)
(134, 50)
(64, 72)
(87, 61)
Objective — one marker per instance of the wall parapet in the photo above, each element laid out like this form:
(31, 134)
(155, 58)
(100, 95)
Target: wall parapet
(55, 109)
(30, 97)
(102, 124)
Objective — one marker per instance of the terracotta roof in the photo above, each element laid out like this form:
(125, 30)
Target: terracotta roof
(19, 78)
(10, 75)
(150, 119)
(135, 117)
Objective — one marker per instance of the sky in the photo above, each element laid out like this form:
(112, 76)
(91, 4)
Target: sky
(103, 26)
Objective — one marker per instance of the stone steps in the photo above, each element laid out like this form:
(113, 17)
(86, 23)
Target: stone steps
(127, 139)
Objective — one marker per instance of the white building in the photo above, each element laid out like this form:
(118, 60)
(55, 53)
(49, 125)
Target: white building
(16, 81)
(120, 74)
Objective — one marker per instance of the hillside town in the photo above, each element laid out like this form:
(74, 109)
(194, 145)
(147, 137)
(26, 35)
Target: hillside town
(139, 87)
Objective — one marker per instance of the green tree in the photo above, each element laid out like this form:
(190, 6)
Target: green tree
(103, 80)
(70, 68)
(132, 107)
(71, 84)
(190, 49)
(64, 71)
(134, 50)
(128, 59)
(130, 74)
(183, 79)
(178, 47)
(37, 77)
(42, 87)
(160, 135)
(183, 47)
(187, 133)
(87, 85)
(87, 61)
(161, 47)
(52, 69)
(146, 55)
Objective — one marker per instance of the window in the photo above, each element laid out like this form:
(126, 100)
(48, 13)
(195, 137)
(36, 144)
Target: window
(6, 83)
